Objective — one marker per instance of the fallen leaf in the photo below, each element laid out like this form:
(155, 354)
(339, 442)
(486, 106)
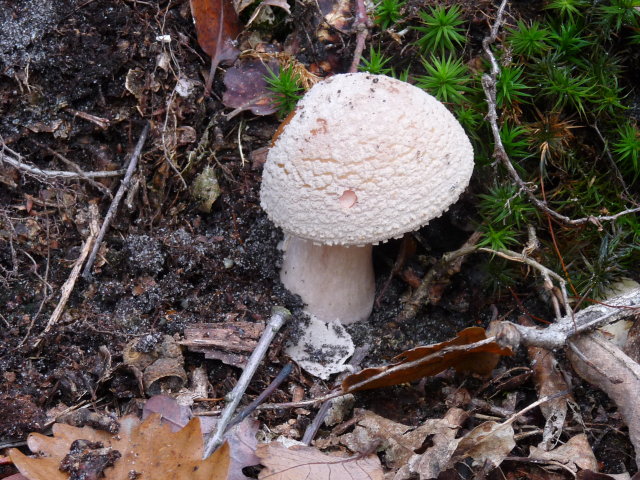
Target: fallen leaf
(437, 358)
(301, 462)
(398, 441)
(549, 381)
(176, 416)
(242, 444)
(575, 455)
(591, 475)
(217, 25)
(489, 442)
(246, 87)
(283, 4)
(437, 458)
(148, 451)
(338, 18)
(240, 5)
(609, 369)
(241, 438)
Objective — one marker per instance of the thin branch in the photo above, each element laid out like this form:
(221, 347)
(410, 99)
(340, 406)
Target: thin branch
(11, 157)
(82, 174)
(445, 267)
(279, 316)
(266, 393)
(489, 82)
(361, 25)
(67, 288)
(86, 273)
(556, 335)
(547, 273)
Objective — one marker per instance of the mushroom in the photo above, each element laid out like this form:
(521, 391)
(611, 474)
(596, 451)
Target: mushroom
(364, 158)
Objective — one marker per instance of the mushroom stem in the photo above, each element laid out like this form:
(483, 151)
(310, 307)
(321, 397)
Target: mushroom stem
(335, 282)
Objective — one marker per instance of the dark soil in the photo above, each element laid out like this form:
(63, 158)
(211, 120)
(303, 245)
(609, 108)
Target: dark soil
(165, 265)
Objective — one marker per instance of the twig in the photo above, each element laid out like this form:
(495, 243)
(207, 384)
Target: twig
(449, 261)
(489, 82)
(557, 334)
(312, 429)
(116, 201)
(279, 316)
(67, 288)
(361, 25)
(14, 159)
(99, 121)
(82, 174)
(266, 393)
(547, 274)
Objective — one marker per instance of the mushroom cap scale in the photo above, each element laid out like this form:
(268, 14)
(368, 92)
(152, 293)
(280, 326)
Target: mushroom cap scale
(364, 158)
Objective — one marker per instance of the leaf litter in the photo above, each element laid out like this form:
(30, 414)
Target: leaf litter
(146, 450)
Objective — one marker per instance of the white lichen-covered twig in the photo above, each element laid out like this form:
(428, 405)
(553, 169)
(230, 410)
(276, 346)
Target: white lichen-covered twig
(556, 335)
(14, 159)
(278, 318)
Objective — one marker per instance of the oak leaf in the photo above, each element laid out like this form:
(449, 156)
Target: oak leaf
(147, 450)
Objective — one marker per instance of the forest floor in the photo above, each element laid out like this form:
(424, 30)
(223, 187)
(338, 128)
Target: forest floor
(78, 82)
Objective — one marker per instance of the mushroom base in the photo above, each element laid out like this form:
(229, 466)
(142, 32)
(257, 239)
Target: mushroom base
(335, 282)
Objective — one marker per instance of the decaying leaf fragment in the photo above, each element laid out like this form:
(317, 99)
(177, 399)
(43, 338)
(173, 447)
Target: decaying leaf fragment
(247, 87)
(300, 462)
(398, 441)
(436, 458)
(549, 381)
(217, 25)
(607, 367)
(148, 451)
(488, 443)
(480, 359)
(574, 455)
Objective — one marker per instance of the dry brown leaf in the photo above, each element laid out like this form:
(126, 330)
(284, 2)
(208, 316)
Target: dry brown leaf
(148, 449)
(438, 357)
(300, 462)
(604, 365)
(436, 458)
(489, 442)
(549, 381)
(574, 455)
(217, 25)
(398, 441)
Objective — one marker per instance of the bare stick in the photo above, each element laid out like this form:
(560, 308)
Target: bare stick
(312, 429)
(266, 393)
(489, 82)
(67, 288)
(556, 335)
(361, 26)
(390, 371)
(116, 201)
(547, 274)
(82, 174)
(14, 159)
(279, 316)
(445, 267)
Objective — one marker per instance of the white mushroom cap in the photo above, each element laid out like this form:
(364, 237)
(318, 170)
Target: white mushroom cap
(364, 158)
